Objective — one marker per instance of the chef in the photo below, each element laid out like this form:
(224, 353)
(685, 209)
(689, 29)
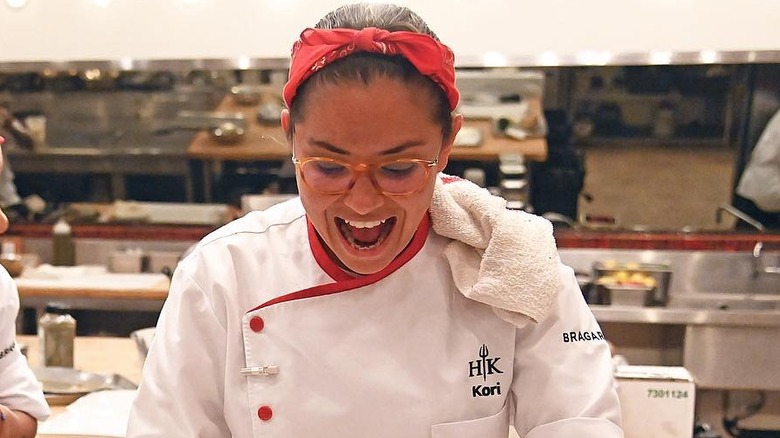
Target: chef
(21, 400)
(388, 300)
(15, 133)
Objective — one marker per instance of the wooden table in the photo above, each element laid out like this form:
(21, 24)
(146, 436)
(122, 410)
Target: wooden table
(92, 296)
(268, 143)
(103, 355)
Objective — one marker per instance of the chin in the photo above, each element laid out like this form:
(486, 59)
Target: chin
(367, 268)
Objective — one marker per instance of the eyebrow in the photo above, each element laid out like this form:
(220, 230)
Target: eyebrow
(394, 150)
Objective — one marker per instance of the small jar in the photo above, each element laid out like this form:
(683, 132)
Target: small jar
(56, 336)
(62, 244)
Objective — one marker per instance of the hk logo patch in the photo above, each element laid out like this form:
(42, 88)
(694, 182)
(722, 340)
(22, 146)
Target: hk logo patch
(483, 367)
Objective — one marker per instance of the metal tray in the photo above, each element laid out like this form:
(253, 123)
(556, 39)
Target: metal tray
(62, 385)
(623, 293)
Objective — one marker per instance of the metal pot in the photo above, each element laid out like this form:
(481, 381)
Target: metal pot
(227, 133)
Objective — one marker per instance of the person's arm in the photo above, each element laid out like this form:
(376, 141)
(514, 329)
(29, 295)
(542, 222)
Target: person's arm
(563, 382)
(16, 424)
(182, 389)
(21, 398)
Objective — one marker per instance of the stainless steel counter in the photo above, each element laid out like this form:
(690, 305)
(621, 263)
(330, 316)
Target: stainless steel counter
(729, 312)
(117, 133)
(695, 317)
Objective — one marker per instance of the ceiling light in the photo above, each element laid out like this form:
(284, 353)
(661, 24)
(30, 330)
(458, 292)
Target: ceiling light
(16, 4)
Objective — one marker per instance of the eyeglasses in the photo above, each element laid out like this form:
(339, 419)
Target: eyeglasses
(333, 177)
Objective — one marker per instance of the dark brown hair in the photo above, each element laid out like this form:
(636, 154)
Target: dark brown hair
(363, 67)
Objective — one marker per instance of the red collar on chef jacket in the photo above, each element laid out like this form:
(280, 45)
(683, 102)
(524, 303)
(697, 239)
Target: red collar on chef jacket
(344, 281)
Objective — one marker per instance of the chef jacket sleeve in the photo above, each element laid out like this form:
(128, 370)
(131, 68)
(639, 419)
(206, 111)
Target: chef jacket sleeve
(564, 384)
(19, 389)
(182, 388)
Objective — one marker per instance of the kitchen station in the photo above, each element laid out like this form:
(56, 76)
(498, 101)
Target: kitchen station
(634, 152)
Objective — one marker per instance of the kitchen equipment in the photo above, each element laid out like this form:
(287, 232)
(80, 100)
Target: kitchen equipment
(128, 261)
(468, 137)
(585, 282)
(170, 213)
(62, 386)
(36, 126)
(227, 133)
(261, 202)
(11, 260)
(270, 113)
(56, 336)
(223, 127)
(656, 401)
(637, 296)
(248, 94)
(62, 244)
(632, 284)
(162, 261)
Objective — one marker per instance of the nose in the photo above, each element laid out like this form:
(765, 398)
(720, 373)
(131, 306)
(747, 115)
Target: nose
(363, 197)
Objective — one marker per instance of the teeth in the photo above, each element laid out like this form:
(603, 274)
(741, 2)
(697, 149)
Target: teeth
(367, 224)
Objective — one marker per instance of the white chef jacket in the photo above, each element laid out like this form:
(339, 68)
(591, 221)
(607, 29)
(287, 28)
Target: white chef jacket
(761, 180)
(8, 193)
(399, 353)
(19, 389)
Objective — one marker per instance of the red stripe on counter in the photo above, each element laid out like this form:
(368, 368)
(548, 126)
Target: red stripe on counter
(663, 241)
(345, 282)
(612, 239)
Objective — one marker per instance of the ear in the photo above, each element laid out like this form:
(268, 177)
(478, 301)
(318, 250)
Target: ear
(287, 125)
(447, 143)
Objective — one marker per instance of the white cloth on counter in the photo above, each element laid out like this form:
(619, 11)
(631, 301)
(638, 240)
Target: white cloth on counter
(47, 271)
(504, 258)
(86, 277)
(101, 413)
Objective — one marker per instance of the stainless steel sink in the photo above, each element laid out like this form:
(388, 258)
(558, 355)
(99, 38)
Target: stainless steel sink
(705, 273)
(717, 272)
(731, 316)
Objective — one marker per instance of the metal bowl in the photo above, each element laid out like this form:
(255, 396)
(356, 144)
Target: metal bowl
(246, 95)
(227, 133)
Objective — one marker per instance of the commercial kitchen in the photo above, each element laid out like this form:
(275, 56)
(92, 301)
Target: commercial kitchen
(630, 140)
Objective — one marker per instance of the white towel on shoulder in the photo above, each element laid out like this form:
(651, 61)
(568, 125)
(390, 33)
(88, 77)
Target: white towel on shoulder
(503, 258)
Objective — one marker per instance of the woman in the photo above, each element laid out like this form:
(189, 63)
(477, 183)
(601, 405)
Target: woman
(21, 399)
(342, 314)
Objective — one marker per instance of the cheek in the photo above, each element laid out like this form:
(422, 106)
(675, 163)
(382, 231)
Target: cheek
(315, 205)
(417, 206)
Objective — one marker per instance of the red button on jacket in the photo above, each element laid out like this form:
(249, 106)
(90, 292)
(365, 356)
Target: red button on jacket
(256, 324)
(265, 413)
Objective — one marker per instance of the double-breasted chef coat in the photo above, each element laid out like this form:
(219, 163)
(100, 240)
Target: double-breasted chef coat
(19, 389)
(263, 335)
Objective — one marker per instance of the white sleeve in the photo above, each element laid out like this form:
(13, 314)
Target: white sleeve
(564, 384)
(182, 388)
(19, 389)
(760, 181)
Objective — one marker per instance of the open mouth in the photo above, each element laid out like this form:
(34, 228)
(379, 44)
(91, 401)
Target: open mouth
(365, 235)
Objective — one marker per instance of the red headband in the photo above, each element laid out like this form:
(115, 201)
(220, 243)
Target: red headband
(317, 48)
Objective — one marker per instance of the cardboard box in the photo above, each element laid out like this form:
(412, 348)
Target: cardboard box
(656, 401)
